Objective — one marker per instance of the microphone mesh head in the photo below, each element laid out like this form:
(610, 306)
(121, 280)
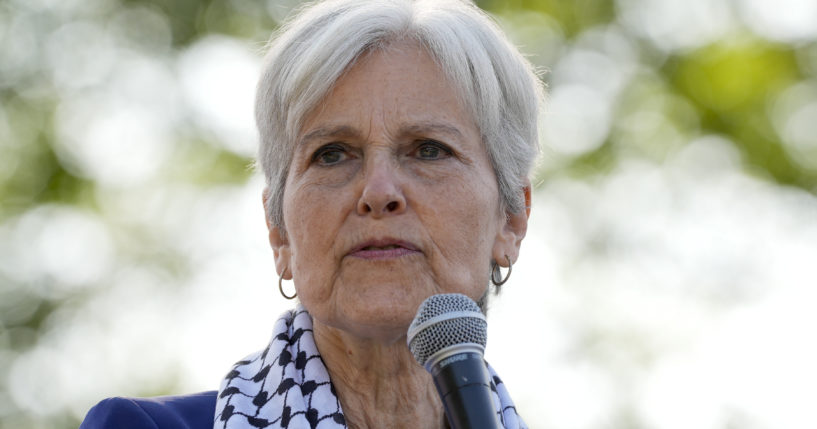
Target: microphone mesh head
(466, 324)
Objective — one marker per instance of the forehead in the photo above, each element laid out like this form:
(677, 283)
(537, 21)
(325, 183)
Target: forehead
(398, 83)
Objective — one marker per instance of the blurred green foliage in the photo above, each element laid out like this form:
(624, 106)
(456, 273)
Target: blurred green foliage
(573, 16)
(732, 84)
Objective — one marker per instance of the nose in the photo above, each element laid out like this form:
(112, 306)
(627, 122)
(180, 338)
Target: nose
(382, 193)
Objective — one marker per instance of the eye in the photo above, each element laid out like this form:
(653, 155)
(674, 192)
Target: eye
(330, 154)
(432, 150)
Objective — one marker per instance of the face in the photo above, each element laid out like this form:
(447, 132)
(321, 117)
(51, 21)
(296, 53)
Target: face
(390, 198)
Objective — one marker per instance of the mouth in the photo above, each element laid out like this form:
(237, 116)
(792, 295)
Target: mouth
(383, 249)
(388, 247)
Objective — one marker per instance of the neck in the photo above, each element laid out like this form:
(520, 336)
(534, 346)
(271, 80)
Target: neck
(379, 384)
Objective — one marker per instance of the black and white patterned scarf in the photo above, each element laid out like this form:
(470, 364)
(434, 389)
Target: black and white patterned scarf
(287, 385)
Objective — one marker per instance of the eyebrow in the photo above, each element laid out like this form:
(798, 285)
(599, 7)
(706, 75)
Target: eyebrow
(351, 132)
(427, 127)
(323, 132)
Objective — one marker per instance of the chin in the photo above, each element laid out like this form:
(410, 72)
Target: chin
(370, 307)
(385, 334)
(383, 320)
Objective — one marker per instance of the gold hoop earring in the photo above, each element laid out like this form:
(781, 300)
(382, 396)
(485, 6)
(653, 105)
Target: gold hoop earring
(281, 287)
(496, 275)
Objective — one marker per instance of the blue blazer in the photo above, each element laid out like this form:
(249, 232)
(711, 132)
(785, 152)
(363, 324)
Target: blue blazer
(194, 411)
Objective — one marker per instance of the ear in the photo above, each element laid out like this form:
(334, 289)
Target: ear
(509, 238)
(279, 243)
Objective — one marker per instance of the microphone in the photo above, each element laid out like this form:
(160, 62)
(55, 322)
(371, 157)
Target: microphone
(447, 337)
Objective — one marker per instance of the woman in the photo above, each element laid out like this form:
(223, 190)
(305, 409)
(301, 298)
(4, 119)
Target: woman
(396, 140)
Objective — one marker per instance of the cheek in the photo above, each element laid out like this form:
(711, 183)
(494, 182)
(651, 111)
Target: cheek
(463, 223)
(313, 211)
(313, 266)
(311, 233)
(470, 208)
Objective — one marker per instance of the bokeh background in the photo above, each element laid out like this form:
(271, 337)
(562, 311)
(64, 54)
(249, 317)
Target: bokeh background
(668, 279)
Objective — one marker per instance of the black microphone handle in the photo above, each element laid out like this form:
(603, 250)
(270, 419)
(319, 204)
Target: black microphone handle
(464, 384)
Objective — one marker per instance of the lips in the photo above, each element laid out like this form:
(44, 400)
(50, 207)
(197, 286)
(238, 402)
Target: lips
(386, 248)
(390, 246)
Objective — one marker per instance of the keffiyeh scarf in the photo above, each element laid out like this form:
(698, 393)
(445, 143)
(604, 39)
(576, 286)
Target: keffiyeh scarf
(287, 385)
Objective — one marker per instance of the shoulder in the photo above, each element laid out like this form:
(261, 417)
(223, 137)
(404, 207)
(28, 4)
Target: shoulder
(193, 411)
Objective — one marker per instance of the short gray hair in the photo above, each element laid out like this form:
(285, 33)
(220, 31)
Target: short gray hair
(311, 51)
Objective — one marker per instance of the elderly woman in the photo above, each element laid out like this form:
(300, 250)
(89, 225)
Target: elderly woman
(396, 140)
